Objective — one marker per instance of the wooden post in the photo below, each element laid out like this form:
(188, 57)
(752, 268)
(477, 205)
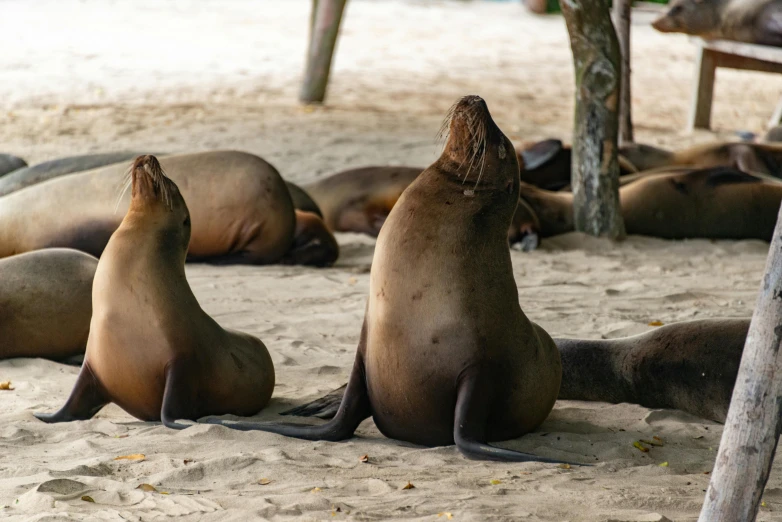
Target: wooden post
(622, 9)
(596, 58)
(324, 29)
(703, 90)
(754, 421)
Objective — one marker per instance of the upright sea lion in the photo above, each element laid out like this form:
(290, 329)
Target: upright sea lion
(446, 355)
(755, 21)
(242, 211)
(24, 177)
(689, 366)
(9, 163)
(714, 203)
(45, 303)
(152, 349)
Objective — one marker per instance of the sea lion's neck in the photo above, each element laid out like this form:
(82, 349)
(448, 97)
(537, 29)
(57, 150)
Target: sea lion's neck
(592, 370)
(554, 210)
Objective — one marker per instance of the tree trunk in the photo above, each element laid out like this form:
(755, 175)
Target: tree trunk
(595, 177)
(324, 29)
(754, 421)
(622, 9)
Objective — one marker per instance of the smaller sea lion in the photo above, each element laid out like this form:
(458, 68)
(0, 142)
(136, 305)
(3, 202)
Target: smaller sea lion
(45, 303)
(313, 243)
(24, 177)
(9, 163)
(756, 22)
(689, 366)
(151, 349)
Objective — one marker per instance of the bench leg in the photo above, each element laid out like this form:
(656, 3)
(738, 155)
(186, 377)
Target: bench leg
(324, 28)
(776, 119)
(703, 90)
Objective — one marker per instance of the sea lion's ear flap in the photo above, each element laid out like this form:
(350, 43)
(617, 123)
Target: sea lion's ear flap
(537, 155)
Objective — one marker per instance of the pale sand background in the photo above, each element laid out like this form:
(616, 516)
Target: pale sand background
(93, 76)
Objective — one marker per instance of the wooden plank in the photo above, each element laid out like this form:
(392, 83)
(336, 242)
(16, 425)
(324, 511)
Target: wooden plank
(744, 63)
(703, 90)
(325, 30)
(776, 119)
(765, 53)
(751, 432)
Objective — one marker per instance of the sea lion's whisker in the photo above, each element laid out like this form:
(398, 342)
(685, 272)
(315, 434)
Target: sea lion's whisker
(123, 187)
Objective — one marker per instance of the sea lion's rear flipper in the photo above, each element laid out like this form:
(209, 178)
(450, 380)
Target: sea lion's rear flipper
(355, 407)
(86, 399)
(313, 244)
(178, 394)
(471, 417)
(324, 408)
(745, 158)
(542, 152)
(728, 176)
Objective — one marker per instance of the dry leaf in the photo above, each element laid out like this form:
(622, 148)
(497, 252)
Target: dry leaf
(315, 490)
(264, 481)
(494, 482)
(656, 323)
(352, 281)
(123, 436)
(658, 442)
(564, 466)
(6, 385)
(364, 458)
(188, 461)
(135, 456)
(763, 504)
(707, 472)
(664, 464)
(445, 514)
(164, 493)
(698, 437)
(147, 487)
(87, 498)
(637, 444)
(408, 486)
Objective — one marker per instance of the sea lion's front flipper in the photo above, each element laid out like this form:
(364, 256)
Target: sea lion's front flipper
(324, 408)
(355, 407)
(178, 397)
(86, 399)
(471, 417)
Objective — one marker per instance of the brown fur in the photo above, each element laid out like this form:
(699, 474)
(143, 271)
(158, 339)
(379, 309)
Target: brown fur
(45, 303)
(152, 349)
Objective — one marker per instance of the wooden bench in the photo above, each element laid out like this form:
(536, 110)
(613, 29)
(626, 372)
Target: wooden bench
(732, 55)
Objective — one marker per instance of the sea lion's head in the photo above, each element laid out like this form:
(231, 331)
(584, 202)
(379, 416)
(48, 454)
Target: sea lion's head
(695, 17)
(480, 155)
(156, 201)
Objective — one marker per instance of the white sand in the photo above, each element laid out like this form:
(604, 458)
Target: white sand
(92, 76)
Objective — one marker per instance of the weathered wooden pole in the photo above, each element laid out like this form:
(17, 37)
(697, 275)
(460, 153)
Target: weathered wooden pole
(622, 9)
(749, 439)
(596, 58)
(324, 29)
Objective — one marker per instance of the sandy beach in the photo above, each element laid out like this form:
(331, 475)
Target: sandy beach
(89, 76)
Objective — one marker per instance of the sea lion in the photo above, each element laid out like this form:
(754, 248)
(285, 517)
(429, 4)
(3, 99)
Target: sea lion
(714, 203)
(754, 22)
(24, 177)
(242, 211)
(45, 303)
(360, 199)
(152, 350)
(446, 354)
(774, 135)
(302, 200)
(753, 158)
(547, 164)
(9, 163)
(689, 366)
